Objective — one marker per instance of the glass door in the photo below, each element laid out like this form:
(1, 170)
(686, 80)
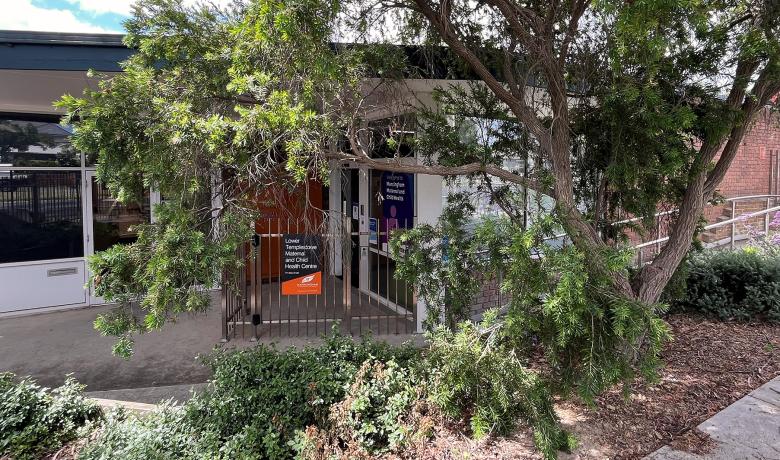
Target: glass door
(391, 207)
(111, 222)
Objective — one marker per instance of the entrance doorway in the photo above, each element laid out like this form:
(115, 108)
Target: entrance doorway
(378, 203)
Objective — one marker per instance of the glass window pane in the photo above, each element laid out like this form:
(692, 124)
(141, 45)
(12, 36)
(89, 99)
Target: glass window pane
(40, 215)
(113, 221)
(27, 143)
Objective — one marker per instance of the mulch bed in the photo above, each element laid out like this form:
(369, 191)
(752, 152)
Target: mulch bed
(709, 365)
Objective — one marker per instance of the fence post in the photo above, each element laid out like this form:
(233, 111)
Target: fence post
(253, 269)
(224, 294)
(346, 269)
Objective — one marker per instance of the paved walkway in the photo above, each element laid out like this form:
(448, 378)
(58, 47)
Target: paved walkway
(48, 346)
(747, 429)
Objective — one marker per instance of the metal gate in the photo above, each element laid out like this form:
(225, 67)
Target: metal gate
(254, 305)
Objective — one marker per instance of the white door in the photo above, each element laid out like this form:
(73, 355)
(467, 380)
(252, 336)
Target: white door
(41, 239)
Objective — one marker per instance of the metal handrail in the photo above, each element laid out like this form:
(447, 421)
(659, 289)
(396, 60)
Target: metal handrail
(672, 211)
(716, 225)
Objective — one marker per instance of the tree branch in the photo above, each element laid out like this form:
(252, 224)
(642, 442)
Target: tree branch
(439, 170)
(519, 107)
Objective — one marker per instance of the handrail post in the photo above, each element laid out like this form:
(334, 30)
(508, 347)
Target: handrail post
(733, 224)
(766, 218)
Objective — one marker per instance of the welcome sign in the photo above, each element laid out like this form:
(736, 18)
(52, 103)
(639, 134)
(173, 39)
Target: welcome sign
(301, 270)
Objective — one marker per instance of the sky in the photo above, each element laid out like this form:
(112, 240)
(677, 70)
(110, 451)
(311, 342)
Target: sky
(94, 16)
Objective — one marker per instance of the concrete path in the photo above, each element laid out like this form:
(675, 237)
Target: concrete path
(48, 346)
(747, 429)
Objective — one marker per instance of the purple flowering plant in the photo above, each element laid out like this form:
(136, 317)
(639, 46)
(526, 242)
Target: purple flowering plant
(765, 243)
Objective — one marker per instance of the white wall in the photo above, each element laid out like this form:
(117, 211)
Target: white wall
(429, 207)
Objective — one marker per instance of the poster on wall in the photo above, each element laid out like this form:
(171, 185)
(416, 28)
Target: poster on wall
(301, 270)
(398, 203)
(373, 231)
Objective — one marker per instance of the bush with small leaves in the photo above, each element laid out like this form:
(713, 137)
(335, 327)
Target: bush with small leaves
(384, 410)
(474, 375)
(733, 285)
(35, 420)
(162, 434)
(260, 398)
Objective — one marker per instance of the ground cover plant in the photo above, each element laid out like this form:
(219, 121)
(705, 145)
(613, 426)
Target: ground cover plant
(35, 420)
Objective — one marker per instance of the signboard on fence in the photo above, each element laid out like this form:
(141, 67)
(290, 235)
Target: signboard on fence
(301, 270)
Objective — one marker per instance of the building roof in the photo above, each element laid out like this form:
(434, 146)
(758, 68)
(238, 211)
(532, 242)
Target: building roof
(60, 38)
(23, 50)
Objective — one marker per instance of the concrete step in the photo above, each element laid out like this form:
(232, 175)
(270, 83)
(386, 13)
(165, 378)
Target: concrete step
(150, 395)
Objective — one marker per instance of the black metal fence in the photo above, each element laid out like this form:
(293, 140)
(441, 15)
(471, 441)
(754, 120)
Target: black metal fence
(358, 296)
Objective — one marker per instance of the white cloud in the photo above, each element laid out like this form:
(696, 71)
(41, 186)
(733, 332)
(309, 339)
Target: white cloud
(123, 7)
(23, 15)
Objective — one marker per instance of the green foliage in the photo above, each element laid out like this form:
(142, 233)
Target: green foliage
(260, 398)
(34, 420)
(477, 373)
(161, 434)
(591, 337)
(383, 411)
(440, 261)
(733, 285)
(169, 270)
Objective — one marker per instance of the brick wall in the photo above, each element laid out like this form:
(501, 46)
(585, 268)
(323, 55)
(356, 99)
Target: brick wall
(750, 172)
(488, 297)
(754, 171)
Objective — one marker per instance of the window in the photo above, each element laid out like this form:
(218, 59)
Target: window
(40, 215)
(29, 143)
(114, 222)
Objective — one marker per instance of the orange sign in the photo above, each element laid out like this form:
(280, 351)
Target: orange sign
(301, 271)
(308, 284)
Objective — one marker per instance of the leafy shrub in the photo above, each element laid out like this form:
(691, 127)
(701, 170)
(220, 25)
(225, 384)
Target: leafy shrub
(34, 420)
(258, 402)
(384, 410)
(162, 434)
(474, 374)
(733, 285)
(264, 396)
